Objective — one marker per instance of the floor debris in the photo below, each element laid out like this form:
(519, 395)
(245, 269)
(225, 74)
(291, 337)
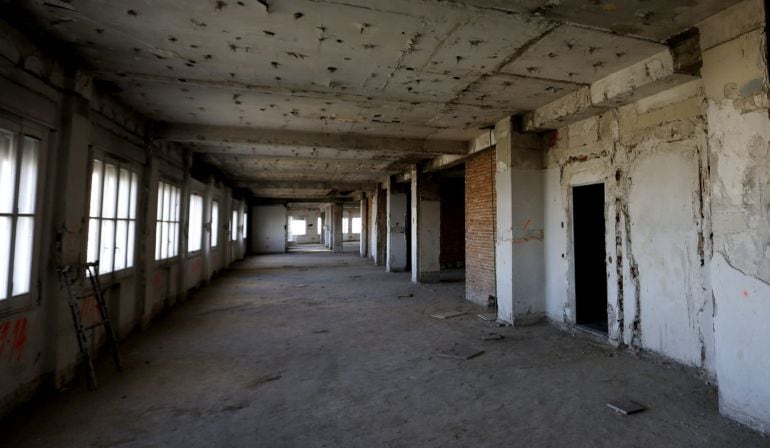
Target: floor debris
(626, 407)
(492, 337)
(405, 296)
(461, 353)
(489, 317)
(320, 331)
(448, 314)
(301, 286)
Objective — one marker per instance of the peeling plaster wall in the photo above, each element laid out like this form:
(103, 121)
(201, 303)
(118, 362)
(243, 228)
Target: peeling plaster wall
(735, 76)
(687, 213)
(650, 157)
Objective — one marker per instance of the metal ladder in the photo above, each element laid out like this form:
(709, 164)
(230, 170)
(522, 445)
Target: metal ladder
(70, 276)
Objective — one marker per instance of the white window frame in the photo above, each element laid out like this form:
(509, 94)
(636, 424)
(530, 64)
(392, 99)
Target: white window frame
(192, 220)
(353, 225)
(129, 251)
(214, 223)
(21, 130)
(170, 217)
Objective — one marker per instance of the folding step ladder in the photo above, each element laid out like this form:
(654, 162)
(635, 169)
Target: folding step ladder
(70, 277)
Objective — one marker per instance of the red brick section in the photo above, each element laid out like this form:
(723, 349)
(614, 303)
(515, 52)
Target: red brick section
(480, 226)
(452, 222)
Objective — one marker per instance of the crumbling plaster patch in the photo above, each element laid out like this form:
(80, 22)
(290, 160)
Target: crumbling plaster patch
(627, 149)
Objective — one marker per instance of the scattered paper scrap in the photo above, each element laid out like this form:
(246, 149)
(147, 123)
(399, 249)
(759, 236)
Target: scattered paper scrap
(626, 407)
(448, 314)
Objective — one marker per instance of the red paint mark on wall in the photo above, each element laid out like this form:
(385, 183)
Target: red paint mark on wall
(197, 265)
(156, 280)
(13, 336)
(89, 311)
(745, 293)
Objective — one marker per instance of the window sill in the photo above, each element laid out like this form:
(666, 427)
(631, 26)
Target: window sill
(166, 262)
(111, 278)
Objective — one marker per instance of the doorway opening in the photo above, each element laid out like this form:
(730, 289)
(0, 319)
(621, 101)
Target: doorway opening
(590, 253)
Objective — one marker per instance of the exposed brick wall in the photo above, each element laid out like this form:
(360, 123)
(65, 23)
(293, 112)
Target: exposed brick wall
(452, 222)
(480, 226)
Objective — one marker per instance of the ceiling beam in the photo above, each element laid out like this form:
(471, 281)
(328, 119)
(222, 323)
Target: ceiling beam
(192, 133)
(676, 65)
(305, 185)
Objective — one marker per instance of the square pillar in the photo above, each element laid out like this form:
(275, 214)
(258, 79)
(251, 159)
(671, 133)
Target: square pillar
(379, 226)
(336, 222)
(364, 228)
(519, 247)
(395, 260)
(426, 227)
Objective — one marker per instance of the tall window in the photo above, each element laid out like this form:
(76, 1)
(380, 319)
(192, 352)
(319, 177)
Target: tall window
(195, 231)
(297, 226)
(214, 223)
(18, 194)
(243, 226)
(319, 225)
(112, 216)
(356, 225)
(167, 223)
(345, 224)
(234, 226)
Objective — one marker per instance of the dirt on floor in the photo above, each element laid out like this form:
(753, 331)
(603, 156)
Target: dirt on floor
(326, 350)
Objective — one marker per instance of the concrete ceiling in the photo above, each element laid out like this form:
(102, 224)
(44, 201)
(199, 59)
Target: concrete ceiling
(321, 72)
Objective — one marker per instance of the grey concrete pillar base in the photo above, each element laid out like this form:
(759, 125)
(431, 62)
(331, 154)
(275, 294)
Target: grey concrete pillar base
(429, 277)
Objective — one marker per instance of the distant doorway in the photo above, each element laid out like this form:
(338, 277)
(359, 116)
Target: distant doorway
(590, 267)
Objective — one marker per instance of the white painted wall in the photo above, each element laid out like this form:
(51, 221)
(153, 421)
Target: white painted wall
(268, 223)
(742, 335)
(675, 314)
(554, 249)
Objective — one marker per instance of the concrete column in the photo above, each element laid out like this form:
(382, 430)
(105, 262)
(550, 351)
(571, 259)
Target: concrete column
(426, 226)
(364, 228)
(519, 249)
(206, 246)
(336, 209)
(184, 219)
(68, 166)
(379, 226)
(396, 227)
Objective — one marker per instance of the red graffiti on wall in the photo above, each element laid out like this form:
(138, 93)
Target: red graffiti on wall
(13, 339)
(89, 311)
(197, 265)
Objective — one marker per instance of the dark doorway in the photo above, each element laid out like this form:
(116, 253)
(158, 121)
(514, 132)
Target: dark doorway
(590, 268)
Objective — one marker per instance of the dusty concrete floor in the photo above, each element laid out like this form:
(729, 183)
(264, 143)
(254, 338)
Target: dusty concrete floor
(318, 350)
